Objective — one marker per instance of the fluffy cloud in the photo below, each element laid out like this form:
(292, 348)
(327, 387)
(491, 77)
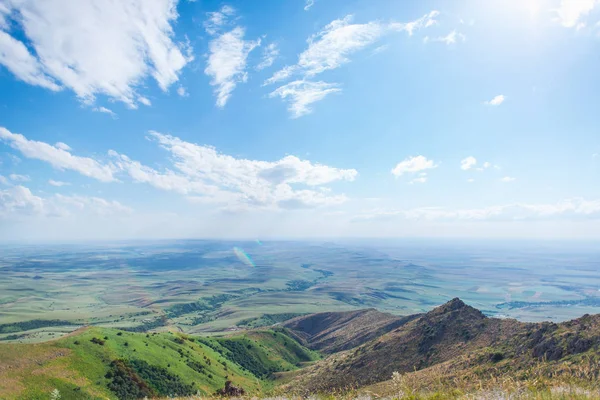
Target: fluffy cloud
(413, 165)
(496, 101)
(468, 163)
(270, 53)
(570, 12)
(203, 174)
(301, 94)
(571, 209)
(93, 48)
(508, 179)
(332, 47)
(228, 54)
(19, 201)
(18, 60)
(58, 157)
(208, 176)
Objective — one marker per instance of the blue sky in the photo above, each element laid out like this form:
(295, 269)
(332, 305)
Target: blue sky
(324, 118)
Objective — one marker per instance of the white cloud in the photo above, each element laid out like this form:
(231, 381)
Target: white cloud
(451, 38)
(182, 92)
(468, 163)
(57, 157)
(207, 176)
(105, 111)
(301, 94)
(62, 146)
(217, 19)
(93, 48)
(470, 180)
(571, 209)
(4, 11)
(570, 12)
(270, 53)
(281, 75)
(332, 47)
(19, 201)
(425, 21)
(413, 165)
(420, 179)
(496, 101)
(228, 54)
(380, 49)
(18, 60)
(226, 63)
(308, 4)
(508, 179)
(487, 165)
(19, 178)
(145, 101)
(58, 183)
(96, 205)
(3, 180)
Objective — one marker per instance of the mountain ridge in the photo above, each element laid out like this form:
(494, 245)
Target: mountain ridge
(450, 332)
(361, 349)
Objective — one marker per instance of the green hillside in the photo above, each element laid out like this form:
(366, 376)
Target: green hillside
(453, 351)
(100, 363)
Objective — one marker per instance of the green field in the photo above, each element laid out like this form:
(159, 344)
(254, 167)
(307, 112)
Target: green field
(197, 286)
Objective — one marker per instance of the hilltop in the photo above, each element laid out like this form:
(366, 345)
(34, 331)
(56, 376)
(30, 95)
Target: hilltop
(453, 349)
(459, 339)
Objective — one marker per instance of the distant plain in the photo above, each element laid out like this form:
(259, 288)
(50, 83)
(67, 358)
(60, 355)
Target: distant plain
(201, 286)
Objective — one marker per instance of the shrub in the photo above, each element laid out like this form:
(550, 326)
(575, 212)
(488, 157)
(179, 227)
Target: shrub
(97, 341)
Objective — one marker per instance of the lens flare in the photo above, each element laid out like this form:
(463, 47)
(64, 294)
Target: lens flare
(243, 256)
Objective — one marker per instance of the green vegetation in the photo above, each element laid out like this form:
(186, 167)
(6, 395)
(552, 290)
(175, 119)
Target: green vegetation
(266, 352)
(204, 304)
(267, 320)
(33, 324)
(161, 380)
(108, 363)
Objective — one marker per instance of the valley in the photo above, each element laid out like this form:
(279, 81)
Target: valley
(204, 287)
(448, 352)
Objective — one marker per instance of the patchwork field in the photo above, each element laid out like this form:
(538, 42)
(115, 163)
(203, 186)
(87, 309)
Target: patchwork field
(214, 286)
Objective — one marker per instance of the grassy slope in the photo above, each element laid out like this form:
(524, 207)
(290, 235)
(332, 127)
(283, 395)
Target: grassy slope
(77, 367)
